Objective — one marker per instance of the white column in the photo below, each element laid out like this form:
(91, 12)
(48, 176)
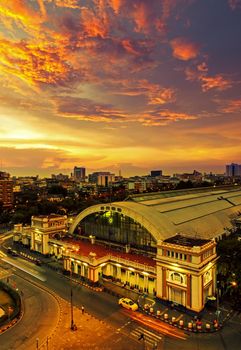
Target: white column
(145, 282)
(76, 268)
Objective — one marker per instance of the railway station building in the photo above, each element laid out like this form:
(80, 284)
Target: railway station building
(160, 244)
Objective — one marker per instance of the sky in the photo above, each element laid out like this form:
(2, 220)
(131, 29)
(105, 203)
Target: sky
(130, 85)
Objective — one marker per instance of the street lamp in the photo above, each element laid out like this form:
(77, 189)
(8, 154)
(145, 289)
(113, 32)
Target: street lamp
(217, 301)
(72, 325)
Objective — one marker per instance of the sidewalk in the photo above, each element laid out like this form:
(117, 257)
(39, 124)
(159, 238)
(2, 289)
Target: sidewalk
(169, 313)
(90, 333)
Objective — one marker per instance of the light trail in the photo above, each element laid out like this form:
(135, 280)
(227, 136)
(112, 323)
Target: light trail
(25, 269)
(157, 325)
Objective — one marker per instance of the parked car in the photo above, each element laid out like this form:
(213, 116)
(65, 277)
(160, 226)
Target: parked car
(128, 304)
(12, 252)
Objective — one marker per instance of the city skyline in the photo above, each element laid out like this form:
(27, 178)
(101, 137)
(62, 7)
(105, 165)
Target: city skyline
(119, 85)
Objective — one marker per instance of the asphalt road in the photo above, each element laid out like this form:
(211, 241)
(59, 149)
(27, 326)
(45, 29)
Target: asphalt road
(41, 314)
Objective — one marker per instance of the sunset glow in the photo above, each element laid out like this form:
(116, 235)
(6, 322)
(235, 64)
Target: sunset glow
(117, 84)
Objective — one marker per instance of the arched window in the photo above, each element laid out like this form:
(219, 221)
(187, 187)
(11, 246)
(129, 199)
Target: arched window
(207, 277)
(177, 277)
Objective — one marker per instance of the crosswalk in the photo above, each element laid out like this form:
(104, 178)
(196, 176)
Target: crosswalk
(150, 338)
(5, 274)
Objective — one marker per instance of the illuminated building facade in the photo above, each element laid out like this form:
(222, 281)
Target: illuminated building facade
(135, 243)
(42, 229)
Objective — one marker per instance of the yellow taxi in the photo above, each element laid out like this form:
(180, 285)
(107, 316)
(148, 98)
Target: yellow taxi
(128, 304)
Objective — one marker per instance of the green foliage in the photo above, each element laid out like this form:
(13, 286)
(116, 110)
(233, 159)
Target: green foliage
(58, 190)
(229, 252)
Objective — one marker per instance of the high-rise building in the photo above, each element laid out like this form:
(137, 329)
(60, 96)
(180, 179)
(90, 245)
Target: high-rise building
(102, 178)
(233, 170)
(155, 173)
(6, 190)
(79, 173)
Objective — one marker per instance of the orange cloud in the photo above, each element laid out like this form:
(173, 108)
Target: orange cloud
(94, 26)
(164, 117)
(183, 49)
(200, 73)
(140, 15)
(21, 13)
(232, 106)
(116, 4)
(34, 63)
(162, 96)
(85, 109)
(74, 4)
(217, 82)
(154, 93)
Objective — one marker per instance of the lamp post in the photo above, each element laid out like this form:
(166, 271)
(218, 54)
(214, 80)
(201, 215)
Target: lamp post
(72, 325)
(217, 311)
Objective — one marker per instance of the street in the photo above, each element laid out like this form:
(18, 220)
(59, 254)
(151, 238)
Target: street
(102, 306)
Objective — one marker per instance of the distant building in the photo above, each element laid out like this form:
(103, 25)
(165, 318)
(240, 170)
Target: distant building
(6, 190)
(79, 173)
(102, 178)
(155, 173)
(233, 170)
(194, 176)
(60, 177)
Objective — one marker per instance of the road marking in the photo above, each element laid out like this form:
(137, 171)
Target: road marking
(149, 337)
(5, 275)
(164, 311)
(179, 317)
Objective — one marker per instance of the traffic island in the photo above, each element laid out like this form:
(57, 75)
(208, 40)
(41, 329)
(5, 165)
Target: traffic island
(10, 311)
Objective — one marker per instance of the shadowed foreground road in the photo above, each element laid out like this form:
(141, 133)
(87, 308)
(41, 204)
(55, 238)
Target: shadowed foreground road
(41, 315)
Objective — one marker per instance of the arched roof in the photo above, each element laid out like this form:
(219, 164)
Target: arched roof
(204, 213)
(148, 218)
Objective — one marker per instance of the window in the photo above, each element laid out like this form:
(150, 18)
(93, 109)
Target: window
(176, 255)
(181, 256)
(172, 254)
(177, 277)
(185, 257)
(168, 253)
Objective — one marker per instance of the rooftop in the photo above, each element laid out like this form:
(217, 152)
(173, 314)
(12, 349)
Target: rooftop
(186, 241)
(85, 248)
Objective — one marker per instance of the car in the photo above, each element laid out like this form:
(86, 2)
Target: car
(12, 252)
(128, 304)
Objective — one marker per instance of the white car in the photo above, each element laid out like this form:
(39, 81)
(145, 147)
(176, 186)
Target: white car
(128, 304)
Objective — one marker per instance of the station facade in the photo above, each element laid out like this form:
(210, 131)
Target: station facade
(162, 245)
